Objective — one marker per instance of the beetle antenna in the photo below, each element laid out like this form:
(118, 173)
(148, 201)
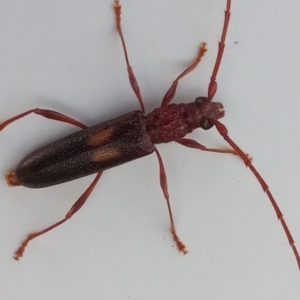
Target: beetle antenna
(212, 87)
(224, 132)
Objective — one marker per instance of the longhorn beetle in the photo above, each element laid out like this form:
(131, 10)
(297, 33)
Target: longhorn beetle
(128, 137)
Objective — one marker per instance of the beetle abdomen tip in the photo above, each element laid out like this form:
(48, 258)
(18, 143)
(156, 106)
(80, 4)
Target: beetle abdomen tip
(11, 178)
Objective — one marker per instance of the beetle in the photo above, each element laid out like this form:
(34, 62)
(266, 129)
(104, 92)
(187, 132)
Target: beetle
(128, 137)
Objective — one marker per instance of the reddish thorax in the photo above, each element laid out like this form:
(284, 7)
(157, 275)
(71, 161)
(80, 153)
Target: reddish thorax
(172, 122)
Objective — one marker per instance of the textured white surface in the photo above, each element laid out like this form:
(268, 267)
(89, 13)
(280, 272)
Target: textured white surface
(66, 56)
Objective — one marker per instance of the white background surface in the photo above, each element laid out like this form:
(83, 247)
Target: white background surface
(66, 56)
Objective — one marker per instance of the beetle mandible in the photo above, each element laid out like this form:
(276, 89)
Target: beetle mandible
(128, 137)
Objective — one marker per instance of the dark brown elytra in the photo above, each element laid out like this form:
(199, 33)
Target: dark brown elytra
(128, 137)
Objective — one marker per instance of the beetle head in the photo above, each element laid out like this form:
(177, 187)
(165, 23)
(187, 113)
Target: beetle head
(202, 113)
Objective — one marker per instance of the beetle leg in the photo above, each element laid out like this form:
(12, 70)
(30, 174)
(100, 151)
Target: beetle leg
(193, 144)
(132, 78)
(172, 90)
(49, 114)
(164, 186)
(77, 205)
(53, 115)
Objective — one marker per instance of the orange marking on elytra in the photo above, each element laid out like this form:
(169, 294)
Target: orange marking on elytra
(106, 154)
(100, 138)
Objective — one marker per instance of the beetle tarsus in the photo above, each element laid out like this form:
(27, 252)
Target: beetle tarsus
(11, 179)
(19, 253)
(181, 247)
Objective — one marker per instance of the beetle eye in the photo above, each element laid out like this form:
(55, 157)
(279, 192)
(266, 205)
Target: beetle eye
(206, 124)
(200, 100)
